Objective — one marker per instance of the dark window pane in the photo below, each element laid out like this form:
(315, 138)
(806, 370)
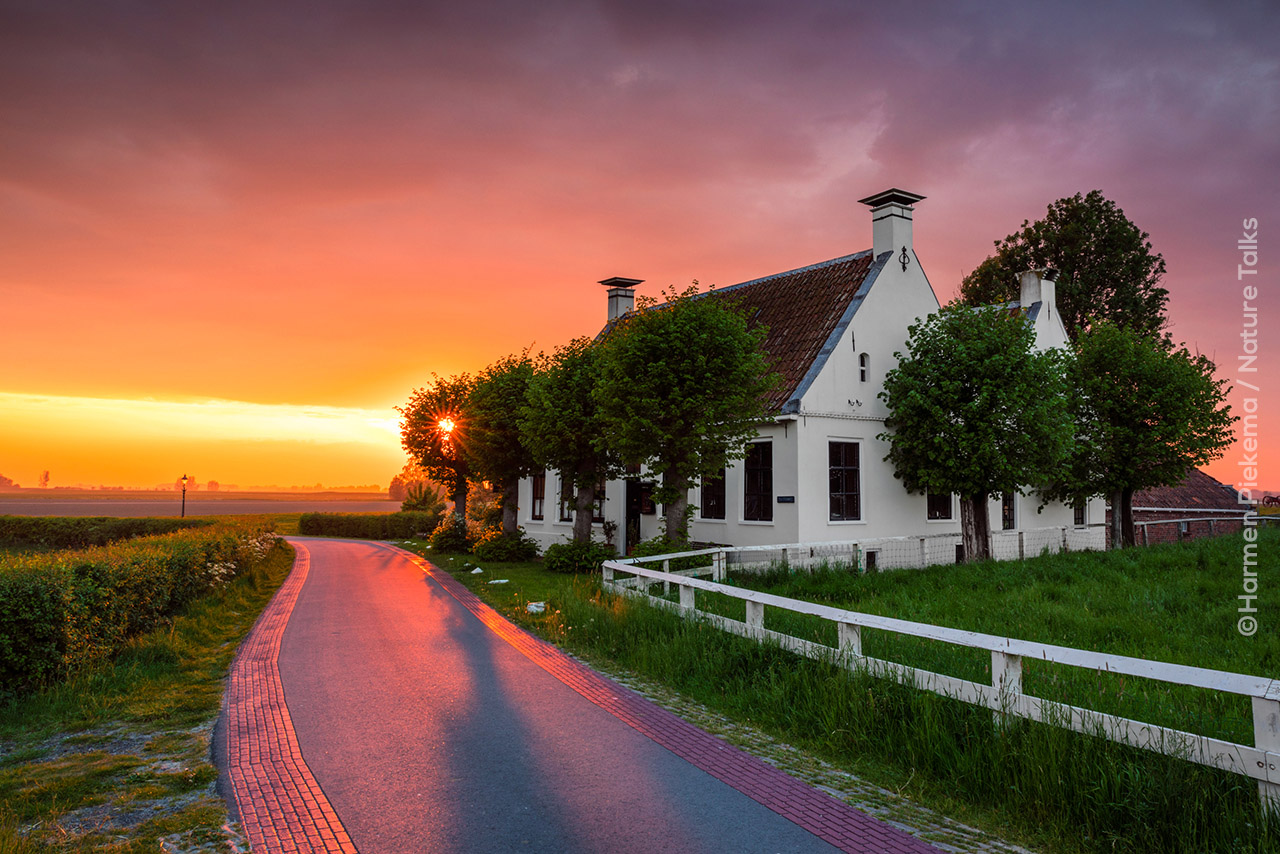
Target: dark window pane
(842, 482)
(757, 499)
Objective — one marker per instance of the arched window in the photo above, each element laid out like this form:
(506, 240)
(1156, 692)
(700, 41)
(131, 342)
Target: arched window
(864, 367)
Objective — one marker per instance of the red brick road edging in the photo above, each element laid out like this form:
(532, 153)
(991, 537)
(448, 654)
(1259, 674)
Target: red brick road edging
(282, 808)
(824, 816)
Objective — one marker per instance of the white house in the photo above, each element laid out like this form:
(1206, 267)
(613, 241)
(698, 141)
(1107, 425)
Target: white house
(818, 473)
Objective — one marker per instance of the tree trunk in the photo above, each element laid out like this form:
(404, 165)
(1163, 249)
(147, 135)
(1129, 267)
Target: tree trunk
(1126, 518)
(510, 507)
(459, 496)
(1117, 527)
(975, 527)
(585, 502)
(677, 519)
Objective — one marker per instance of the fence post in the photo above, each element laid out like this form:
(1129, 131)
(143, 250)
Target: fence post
(686, 596)
(718, 561)
(606, 573)
(1266, 736)
(924, 553)
(1006, 678)
(1022, 545)
(1065, 546)
(850, 639)
(666, 585)
(755, 619)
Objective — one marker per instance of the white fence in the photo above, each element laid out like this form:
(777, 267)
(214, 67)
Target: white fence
(1260, 761)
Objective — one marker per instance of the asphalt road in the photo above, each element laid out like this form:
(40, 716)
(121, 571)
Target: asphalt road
(428, 732)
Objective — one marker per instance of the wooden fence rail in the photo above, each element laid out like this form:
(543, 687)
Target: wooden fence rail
(1004, 696)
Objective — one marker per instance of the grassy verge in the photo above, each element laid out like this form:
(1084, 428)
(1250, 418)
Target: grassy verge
(1046, 787)
(117, 758)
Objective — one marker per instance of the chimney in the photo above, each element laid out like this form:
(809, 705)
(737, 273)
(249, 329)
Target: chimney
(622, 295)
(1039, 286)
(891, 223)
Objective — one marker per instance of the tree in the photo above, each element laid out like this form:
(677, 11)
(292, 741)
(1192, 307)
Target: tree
(493, 440)
(561, 425)
(1146, 414)
(682, 388)
(44, 479)
(1107, 268)
(976, 410)
(433, 431)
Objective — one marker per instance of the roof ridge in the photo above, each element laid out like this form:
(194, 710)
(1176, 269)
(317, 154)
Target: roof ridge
(805, 269)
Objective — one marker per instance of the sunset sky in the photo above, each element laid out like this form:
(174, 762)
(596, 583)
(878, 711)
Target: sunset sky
(233, 236)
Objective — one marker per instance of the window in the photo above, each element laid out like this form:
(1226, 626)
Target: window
(864, 367)
(842, 479)
(1081, 506)
(1007, 519)
(713, 497)
(757, 495)
(871, 561)
(539, 495)
(567, 499)
(597, 508)
(938, 506)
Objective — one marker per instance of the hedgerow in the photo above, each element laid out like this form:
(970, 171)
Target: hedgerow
(63, 610)
(368, 526)
(74, 532)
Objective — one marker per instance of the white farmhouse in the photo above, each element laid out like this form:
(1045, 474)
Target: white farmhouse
(818, 473)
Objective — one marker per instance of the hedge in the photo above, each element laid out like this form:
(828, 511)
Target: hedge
(368, 526)
(77, 532)
(62, 610)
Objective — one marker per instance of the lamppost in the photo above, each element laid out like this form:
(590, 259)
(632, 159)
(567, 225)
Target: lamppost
(184, 496)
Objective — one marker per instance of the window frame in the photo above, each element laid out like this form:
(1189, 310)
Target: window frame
(842, 497)
(759, 500)
(930, 515)
(538, 498)
(706, 505)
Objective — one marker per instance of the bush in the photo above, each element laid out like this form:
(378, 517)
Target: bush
(451, 535)
(578, 557)
(367, 526)
(664, 545)
(77, 532)
(63, 610)
(493, 545)
(422, 497)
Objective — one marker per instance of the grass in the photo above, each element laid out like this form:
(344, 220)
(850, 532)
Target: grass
(1047, 787)
(117, 758)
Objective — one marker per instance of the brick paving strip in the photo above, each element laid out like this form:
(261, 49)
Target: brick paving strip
(280, 803)
(823, 815)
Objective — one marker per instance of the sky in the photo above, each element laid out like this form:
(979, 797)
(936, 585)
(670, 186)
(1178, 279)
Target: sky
(234, 236)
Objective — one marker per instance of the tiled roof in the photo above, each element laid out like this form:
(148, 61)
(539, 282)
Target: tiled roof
(1197, 491)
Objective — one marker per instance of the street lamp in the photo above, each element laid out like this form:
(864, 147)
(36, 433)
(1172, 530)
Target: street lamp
(184, 496)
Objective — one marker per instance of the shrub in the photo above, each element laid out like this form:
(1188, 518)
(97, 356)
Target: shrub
(451, 535)
(62, 610)
(422, 497)
(367, 526)
(77, 532)
(493, 545)
(664, 545)
(577, 557)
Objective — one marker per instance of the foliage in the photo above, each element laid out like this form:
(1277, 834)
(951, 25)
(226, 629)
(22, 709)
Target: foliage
(664, 545)
(577, 557)
(975, 410)
(493, 438)
(560, 424)
(63, 610)
(1107, 268)
(451, 535)
(423, 497)
(442, 454)
(402, 482)
(494, 545)
(368, 526)
(682, 387)
(73, 532)
(1146, 414)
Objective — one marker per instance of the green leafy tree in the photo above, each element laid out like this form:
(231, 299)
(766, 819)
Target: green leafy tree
(682, 388)
(561, 425)
(1107, 268)
(433, 431)
(1146, 414)
(493, 435)
(976, 410)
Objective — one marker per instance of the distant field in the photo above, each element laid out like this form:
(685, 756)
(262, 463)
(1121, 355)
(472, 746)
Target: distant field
(68, 502)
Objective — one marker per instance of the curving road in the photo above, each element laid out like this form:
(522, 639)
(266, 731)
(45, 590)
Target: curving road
(379, 707)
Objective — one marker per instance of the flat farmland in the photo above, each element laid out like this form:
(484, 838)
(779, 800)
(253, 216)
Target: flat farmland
(31, 502)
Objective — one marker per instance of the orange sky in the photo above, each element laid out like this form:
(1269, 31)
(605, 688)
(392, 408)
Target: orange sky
(234, 238)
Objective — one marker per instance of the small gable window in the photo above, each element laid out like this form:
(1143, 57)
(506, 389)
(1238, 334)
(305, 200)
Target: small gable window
(864, 367)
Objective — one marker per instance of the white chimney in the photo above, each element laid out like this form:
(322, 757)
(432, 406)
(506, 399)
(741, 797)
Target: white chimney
(622, 295)
(891, 223)
(1039, 286)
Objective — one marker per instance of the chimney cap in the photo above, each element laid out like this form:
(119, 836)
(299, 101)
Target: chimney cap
(620, 282)
(892, 196)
